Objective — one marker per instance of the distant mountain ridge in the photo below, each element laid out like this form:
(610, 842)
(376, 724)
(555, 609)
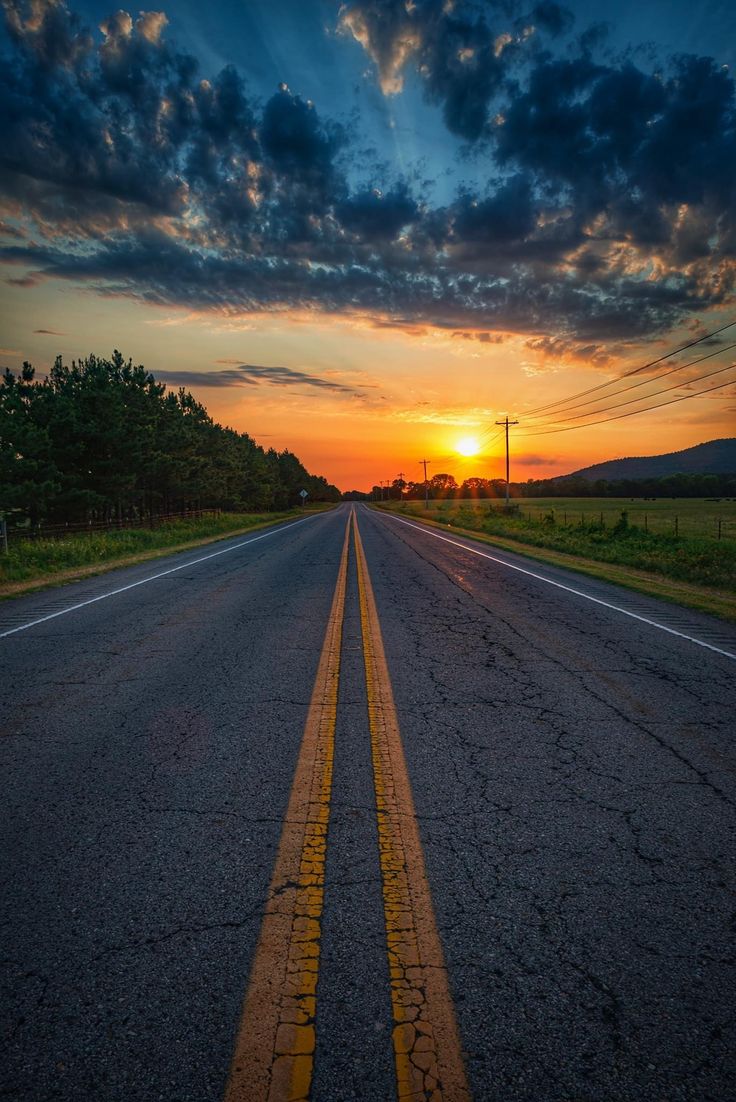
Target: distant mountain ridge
(713, 457)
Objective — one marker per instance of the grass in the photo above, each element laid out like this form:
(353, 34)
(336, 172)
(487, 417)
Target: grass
(34, 564)
(695, 516)
(698, 571)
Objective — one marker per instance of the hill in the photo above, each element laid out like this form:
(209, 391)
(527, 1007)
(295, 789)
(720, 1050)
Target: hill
(713, 457)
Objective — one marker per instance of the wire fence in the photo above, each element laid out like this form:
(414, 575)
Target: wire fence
(76, 528)
(701, 519)
(660, 522)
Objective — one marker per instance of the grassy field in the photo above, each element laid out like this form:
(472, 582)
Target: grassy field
(572, 527)
(698, 517)
(30, 563)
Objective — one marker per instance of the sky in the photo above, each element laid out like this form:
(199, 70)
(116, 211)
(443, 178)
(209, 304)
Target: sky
(368, 231)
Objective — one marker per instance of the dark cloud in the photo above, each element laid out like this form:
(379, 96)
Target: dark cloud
(253, 375)
(50, 332)
(458, 55)
(463, 52)
(373, 215)
(608, 212)
(552, 17)
(507, 215)
(296, 140)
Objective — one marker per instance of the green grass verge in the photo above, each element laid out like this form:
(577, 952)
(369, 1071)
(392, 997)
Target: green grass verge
(35, 564)
(699, 574)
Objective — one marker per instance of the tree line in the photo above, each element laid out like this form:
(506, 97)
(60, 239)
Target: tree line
(445, 487)
(102, 440)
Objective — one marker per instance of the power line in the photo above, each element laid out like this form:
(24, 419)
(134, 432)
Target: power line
(486, 443)
(644, 382)
(628, 374)
(633, 412)
(644, 397)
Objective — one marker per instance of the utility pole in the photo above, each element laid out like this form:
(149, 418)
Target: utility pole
(424, 463)
(401, 485)
(505, 423)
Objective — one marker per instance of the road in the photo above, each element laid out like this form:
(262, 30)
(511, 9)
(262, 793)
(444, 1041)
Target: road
(365, 811)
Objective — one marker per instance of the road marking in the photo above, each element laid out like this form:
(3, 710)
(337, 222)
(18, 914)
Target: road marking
(567, 588)
(274, 1048)
(153, 577)
(427, 1052)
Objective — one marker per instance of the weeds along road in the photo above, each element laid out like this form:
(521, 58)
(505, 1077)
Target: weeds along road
(365, 811)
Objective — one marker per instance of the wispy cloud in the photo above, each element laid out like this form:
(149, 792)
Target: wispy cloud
(253, 375)
(423, 414)
(51, 332)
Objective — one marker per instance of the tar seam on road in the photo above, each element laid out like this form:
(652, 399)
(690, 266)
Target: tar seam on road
(153, 577)
(567, 588)
(274, 1049)
(427, 1051)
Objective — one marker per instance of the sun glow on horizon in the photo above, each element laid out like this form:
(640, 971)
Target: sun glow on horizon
(467, 446)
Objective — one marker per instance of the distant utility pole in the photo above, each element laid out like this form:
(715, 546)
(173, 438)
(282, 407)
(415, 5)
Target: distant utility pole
(401, 484)
(506, 424)
(424, 463)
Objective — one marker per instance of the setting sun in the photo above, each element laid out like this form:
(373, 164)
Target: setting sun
(468, 446)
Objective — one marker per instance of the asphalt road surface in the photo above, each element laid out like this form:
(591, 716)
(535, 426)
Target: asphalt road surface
(340, 811)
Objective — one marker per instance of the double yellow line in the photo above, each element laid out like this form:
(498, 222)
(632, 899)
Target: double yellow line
(274, 1050)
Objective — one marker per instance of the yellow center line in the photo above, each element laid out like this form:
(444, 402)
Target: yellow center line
(427, 1051)
(274, 1048)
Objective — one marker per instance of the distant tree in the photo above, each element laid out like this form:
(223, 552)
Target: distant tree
(476, 488)
(442, 485)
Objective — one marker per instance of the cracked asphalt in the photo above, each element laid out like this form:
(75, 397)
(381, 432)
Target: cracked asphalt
(574, 779)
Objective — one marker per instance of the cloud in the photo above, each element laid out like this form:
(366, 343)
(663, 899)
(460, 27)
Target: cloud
(536, 461)
(558, 349)
(461, 60)
(608, 212)
(373, 215)
(50, 332)
(463, 53)
(296, 140)
(553, 17)
(252, 375)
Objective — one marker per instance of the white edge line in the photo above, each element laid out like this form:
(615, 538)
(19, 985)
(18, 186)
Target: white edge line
(559, 585)
(162, 574)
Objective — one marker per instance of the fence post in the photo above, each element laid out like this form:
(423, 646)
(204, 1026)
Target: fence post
(677, 526)
(719, 530)
(646, 523)
(4, 534)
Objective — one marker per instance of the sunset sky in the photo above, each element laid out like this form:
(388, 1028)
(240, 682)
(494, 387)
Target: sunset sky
(366, 231)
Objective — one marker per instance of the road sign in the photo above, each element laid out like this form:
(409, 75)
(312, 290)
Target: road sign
(303, 494)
